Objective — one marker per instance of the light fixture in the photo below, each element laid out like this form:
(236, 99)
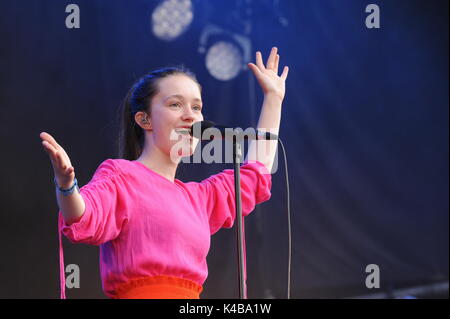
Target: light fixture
(226, 53)
(171, 18)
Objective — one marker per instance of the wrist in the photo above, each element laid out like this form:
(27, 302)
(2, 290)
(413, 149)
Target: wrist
(63, 184)
(67, 189)
(273, 98)
(272, 102)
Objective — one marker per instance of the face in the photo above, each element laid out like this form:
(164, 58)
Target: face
(178, 103)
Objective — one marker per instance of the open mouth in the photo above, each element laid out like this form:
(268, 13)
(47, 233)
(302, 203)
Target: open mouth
(184, 131)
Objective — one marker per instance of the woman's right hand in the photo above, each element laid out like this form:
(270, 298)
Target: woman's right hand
(63, 169)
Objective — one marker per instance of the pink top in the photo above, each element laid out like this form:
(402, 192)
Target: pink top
(146, 225)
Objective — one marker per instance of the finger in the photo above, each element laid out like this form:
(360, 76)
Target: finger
(271, 59)
(50, 150)
(69, 170)
(277, 60)
(47, 137)
(48, 147)
(57, 157)
(62, 163)
(254, 69)
(64, 155)
(259, 61)
(58, 162)
(285, 73)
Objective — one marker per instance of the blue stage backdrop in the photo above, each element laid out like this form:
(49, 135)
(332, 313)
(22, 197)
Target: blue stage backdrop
(364, 122)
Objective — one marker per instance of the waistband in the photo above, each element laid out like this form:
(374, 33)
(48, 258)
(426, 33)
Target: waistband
(159, 287)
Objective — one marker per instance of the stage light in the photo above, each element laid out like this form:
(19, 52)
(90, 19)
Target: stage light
(224, 60)
(226, 53)
(171, 18)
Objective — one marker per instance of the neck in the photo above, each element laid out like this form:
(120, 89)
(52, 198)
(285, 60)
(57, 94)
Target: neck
(158, 161)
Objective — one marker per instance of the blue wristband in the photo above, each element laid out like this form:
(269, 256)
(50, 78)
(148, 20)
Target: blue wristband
(69, 191)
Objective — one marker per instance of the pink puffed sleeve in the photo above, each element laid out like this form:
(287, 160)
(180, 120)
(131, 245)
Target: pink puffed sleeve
(218, 193)
(105, 212)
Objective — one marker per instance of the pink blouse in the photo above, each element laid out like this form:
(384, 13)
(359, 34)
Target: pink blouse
(146, 225)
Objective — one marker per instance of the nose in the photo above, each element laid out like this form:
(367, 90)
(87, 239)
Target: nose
(190, 116)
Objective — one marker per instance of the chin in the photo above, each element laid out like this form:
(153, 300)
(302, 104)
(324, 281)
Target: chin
(180, 150)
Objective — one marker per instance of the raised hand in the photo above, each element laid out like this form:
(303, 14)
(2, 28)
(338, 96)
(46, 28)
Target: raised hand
(63, 169)
(267, 76)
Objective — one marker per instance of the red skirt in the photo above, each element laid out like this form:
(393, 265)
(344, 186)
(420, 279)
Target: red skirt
(159, 287)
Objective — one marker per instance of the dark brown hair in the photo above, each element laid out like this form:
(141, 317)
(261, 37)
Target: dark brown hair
(131, 136)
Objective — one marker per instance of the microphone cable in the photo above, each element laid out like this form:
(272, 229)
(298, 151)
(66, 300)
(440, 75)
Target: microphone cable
(289, 221)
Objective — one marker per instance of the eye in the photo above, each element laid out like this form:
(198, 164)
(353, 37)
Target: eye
(176, 104)
(198, 108)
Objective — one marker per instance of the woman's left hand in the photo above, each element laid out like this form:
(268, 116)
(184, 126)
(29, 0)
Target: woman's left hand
(267, 76)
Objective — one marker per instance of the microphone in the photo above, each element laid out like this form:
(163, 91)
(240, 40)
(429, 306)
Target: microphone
(207, 130)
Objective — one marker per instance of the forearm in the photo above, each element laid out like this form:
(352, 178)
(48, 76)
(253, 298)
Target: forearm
(72, 206)
(269, 121)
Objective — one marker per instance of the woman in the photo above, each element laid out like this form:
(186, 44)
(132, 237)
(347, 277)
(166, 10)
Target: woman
(154, 230)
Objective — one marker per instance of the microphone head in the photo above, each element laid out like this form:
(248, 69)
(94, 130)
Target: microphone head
(199, 127)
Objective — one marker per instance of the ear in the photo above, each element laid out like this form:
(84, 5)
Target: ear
(143, 120)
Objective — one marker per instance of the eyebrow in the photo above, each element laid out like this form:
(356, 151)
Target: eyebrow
(181, 97)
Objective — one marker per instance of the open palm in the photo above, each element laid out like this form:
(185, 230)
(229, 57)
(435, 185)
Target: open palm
(267, 76)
